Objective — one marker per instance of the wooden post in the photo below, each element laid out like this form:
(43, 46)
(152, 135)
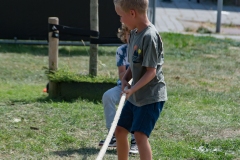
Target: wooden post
(53, 55)
(93, 60)
(53, 46)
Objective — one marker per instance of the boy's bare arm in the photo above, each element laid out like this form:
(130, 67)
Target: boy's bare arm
(127, 76)
(147, 77)
(121, 71)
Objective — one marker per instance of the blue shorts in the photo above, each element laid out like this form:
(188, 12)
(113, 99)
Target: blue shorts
(140, 119)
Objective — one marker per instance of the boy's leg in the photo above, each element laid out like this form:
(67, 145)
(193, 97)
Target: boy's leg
(132, 136)
(122, 130)
(143, 146)
(145, 118)
(122, 143)
(110, 98)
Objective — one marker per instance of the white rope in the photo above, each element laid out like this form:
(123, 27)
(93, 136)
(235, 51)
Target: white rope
(113, 127)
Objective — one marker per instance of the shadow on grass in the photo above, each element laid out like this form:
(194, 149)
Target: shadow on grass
(12, 102)
(72, 100)
(42, 50)
(83, 151)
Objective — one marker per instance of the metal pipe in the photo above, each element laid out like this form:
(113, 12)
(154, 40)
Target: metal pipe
(219, 13)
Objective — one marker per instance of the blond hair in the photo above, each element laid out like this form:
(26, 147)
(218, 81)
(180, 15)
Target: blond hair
(140, 5)
(122, 33)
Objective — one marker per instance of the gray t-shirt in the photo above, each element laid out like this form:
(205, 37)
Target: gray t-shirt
(145, 49)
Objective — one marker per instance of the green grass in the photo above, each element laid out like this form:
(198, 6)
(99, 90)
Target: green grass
(200, 121)
(65, 75)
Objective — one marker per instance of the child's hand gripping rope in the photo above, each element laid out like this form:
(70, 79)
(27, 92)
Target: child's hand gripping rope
(114, 125)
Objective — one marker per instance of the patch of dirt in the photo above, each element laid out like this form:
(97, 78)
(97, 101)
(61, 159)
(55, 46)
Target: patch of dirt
(210, 56)
(224, 134)
(234, 48)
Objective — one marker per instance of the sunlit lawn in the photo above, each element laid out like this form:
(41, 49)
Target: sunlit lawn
(200, 121)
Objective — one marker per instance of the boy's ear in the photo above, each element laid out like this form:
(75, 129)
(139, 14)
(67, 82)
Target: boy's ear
(132, 13)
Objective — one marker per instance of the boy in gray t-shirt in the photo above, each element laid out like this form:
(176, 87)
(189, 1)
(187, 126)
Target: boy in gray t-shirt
(146, 51)
(148, 92)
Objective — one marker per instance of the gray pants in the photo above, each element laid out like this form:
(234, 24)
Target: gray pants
(110, 99)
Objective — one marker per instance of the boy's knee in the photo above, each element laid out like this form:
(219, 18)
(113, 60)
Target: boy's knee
(140, 136)
(106, 96)
(119, 131)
